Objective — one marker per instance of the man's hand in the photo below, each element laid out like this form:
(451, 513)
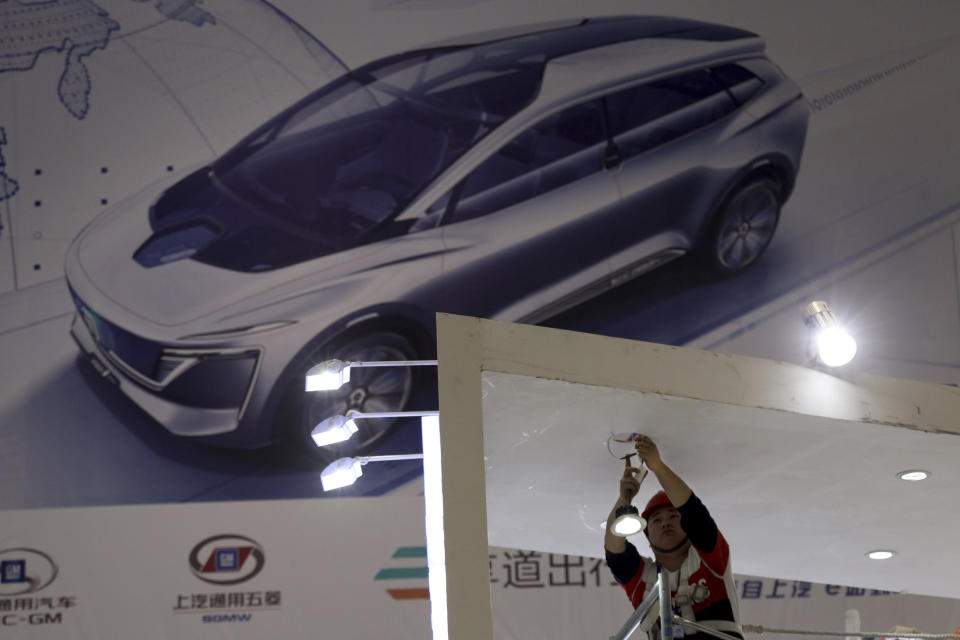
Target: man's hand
(676, 489)
(648, 452)
(629, 485)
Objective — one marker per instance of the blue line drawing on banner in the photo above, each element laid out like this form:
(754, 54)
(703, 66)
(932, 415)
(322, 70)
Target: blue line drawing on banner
(80, 27)
(8, 186)
(331, 64)
(257, 53)
(183, 11)
(413, 5)
(77, 27)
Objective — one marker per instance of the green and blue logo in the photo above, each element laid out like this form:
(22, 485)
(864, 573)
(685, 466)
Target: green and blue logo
(418, 573)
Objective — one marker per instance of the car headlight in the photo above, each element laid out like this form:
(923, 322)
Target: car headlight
(211, 380)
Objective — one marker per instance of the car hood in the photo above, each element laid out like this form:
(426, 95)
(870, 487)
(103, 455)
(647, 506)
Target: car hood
(183, 292)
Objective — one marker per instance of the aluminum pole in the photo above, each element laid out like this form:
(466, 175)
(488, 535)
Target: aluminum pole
(666, 608)
(638, 616)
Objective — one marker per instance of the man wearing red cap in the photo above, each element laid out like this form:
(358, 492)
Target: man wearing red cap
(688, 547)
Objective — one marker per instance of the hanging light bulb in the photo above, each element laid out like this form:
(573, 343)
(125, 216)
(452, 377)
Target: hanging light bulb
(627, 521)
(835, 346)
(832, 344)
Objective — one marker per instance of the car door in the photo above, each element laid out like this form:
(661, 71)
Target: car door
(524, 231)
(669, 136)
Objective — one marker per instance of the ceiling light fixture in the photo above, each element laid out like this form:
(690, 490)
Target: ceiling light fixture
(914, 475)
(881, 554)
(333, 374)
(830, 343)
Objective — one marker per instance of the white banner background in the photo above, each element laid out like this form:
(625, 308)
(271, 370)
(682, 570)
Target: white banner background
(345, 568)
(126, 570)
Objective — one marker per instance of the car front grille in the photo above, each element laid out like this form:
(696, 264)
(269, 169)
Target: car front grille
(138, 353)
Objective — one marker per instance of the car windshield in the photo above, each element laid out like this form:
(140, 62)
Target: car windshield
(355, 153)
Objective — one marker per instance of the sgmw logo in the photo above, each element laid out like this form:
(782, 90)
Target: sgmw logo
(226, 559)
(25, 571)
(228, 617)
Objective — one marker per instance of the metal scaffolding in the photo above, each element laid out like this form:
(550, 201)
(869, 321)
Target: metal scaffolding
(661, 593)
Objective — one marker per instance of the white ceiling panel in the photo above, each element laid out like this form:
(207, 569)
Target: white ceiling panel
(797, 496)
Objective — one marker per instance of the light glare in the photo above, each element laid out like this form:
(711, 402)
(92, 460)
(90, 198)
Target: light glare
(836, 346)
(328, 376)
(881, 554)
(628, 525)
(627, 521)
(340, 473)
(332, 430)
(436, 551)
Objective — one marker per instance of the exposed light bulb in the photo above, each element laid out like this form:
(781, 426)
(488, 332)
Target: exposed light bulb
(627, 522)
(836, 347)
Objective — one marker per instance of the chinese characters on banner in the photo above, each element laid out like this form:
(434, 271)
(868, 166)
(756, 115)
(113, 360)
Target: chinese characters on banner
(37, 604)
(532, 569)
(752, 589)
(247, 600)
(519, 569)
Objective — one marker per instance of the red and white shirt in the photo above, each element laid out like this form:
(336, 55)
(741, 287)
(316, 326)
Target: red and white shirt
(707, 564)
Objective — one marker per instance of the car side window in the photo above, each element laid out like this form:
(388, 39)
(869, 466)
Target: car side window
(652, 114)
(741, 83)
(557, 151)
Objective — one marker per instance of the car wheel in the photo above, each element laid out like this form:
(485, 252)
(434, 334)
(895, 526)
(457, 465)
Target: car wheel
(743, 227)
(371, 389)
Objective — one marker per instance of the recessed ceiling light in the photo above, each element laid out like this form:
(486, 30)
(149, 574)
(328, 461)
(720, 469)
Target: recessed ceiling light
(881, 554)
(914, 475)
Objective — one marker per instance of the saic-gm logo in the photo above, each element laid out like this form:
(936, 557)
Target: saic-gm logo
(226, 559)
(25, 571)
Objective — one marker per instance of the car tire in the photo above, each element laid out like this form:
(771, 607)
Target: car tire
(371, 389)
(742, 227)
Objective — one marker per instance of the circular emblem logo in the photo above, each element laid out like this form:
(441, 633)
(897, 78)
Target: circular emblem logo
(226, 559)
(25, 571)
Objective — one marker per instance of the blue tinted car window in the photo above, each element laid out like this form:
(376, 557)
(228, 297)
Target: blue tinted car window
(557, 151)
(648, 115)
(356, 153)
